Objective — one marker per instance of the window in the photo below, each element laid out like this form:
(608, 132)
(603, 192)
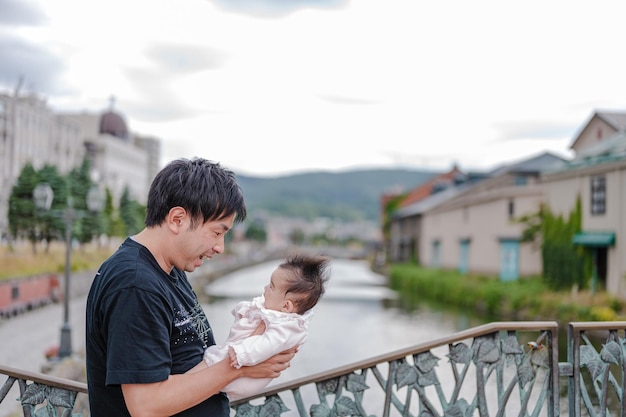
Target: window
(511, 209)
(598, 195)
(520, 180)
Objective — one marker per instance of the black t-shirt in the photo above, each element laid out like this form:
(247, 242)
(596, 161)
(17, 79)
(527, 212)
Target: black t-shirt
(142, 326)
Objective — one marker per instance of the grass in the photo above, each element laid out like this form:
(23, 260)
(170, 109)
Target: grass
(20, 261)
(523, 299)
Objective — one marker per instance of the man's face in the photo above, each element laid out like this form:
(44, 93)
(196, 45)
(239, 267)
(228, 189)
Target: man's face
(205, 241)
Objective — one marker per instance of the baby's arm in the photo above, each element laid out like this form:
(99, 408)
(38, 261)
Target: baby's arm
(231, 352)
(276, 338)
(240, 329)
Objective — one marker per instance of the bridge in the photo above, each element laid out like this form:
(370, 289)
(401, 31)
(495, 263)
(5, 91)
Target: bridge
(497, 369)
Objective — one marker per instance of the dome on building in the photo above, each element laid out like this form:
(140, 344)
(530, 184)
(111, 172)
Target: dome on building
(113, 124)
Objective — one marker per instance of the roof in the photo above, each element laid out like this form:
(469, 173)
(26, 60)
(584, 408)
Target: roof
(615, 144)
(609, 150)
(430, 202)
(113, 124)
(426, 188)
(616, 120)
(543, 162)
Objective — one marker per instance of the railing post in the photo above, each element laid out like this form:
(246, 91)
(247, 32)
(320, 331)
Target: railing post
(554, 403)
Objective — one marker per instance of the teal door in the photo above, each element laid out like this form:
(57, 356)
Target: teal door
(464, 256)
(435, 261)
(509, 260)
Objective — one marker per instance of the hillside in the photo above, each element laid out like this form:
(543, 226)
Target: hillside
(347, 195)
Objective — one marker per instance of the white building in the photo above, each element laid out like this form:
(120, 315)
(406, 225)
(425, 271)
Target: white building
(119, 159)
(31, 132)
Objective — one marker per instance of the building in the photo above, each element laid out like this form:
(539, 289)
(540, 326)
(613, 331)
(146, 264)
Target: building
(599, 127)
(32, 132)
(469, 224)
(597, 178)
(120, 160)
(405, 225)
(473, 229)
(477, 230)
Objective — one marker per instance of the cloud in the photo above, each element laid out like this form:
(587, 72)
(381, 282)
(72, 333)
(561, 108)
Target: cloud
(276, 8)
(155, 97)
(19, 13)
(347, 100)
(159, 86)
(535, 129)
(40, 69)
(185, 59)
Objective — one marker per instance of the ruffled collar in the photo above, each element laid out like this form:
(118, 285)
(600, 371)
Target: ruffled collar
(258, 309)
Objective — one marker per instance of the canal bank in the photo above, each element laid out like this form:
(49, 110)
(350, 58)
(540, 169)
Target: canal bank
(495, 300)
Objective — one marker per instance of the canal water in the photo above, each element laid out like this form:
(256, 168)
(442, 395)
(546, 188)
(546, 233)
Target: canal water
(356, 319)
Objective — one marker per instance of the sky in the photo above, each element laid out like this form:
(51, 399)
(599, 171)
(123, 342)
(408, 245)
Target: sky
(276, 87)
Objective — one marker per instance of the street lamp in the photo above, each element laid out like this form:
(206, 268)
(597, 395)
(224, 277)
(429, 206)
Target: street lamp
(43, 196)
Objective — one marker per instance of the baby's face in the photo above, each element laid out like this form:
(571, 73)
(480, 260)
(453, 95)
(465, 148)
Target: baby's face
(275, 294)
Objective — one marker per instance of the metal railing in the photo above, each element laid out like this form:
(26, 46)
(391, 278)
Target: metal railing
(42, 395)
(497, 369)
(487, 370)
(596, 368)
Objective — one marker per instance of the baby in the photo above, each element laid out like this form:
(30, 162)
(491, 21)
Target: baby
(273, 322)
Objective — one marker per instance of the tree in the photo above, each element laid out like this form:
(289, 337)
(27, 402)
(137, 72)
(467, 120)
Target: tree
(256, 232)
(23, 217)
(108, 215)
(69, 193)
(132, 213)
(564, 264)
(86, 224)
(52, 224)
(296, 236)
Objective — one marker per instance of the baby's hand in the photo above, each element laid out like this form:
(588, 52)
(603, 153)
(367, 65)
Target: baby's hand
(233, 357)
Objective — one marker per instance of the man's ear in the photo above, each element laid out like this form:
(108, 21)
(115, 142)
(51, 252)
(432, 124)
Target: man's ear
(288, 307)
(176, 219)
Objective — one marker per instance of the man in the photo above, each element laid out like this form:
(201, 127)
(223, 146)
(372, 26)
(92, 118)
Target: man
(144, 325)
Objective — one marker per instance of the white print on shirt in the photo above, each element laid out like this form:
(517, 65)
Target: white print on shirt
(192, 325)
(201, 325)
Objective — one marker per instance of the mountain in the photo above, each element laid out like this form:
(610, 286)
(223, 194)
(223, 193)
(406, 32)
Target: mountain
(347, 195)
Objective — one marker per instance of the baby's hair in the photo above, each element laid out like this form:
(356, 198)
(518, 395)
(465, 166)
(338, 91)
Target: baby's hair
(309, 275)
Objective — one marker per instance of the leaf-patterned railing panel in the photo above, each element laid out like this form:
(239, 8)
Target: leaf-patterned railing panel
(45, 401)
(493, 374)
(602, 368)
(34, 394)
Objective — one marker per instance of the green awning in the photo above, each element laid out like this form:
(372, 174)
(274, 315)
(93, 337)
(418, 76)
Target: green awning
(594, 239)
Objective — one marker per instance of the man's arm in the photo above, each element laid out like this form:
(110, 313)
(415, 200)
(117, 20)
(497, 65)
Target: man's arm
(180, 392)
